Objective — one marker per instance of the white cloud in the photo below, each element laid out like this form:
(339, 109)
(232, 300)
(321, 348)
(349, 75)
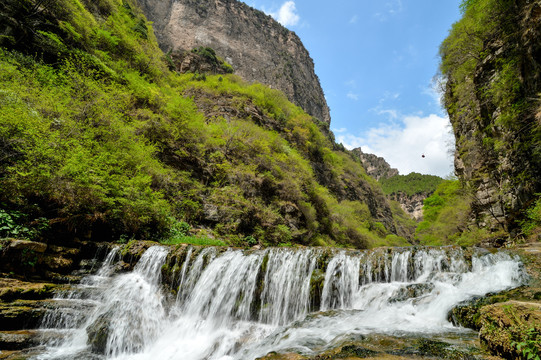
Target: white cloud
(354, 19)
(392, 8)
(387, 95)
(287, 14)
(352, 83)
(392, 114)
(381, 109)
(338, 131)
(404, 142)
(352, 96)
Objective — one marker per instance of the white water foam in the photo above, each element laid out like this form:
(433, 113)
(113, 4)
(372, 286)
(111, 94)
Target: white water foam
(237, 305)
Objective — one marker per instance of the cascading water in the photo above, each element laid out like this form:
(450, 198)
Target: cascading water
(237, 305)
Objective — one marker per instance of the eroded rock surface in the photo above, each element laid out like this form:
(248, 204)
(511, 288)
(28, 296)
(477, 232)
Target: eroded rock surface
(257, 46)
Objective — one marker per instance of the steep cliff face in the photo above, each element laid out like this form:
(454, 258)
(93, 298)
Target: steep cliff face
(491, 62)
(375, 166)
(258, 47)
(411, 204)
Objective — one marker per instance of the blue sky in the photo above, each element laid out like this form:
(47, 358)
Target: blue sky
(376, 60)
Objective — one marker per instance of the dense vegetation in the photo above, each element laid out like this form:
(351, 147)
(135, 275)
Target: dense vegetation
(491, 70)
(445, 214)
(99, 140)
(411, 184)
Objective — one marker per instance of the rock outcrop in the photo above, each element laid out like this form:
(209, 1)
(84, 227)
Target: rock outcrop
(378, 168)
(411, 204)
(257, 46)
(375, 166)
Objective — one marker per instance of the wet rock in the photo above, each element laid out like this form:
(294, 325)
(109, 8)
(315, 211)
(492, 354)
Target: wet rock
(354, 351)
(18, 340)
(21, 315)
(31, 353)
(411, 291)
(98, 333)
(441, 350)
(276, 356)
(317, 282)
(132, 252)
(467, 313)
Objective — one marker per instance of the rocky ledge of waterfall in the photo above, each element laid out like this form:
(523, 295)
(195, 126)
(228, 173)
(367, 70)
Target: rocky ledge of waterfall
(32, 272)
(509, 318)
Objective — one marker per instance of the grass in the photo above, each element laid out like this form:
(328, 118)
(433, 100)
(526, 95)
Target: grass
(193, 240)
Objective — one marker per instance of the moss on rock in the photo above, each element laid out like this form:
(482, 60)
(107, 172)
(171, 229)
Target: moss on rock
(505, 325)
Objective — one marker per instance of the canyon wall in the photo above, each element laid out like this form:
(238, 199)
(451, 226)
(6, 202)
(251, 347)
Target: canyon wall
(257, 46)
(492, 74)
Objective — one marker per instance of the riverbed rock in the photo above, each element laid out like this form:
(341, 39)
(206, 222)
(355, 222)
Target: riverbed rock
(276, 356)
(21, 315)
(467, 313)
(98, 333)
(504, 325)
(12, 289)
(18, 340)
(411, 291)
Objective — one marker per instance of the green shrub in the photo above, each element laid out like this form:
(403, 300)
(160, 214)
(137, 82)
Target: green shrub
(14, 224)
(532, 218)
(445, 214)
(193, 240)
(529, 346)
(411, 184)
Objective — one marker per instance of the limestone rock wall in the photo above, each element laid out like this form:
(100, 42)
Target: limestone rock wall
(257, 46)
(375, 166)
(496, 114)
(412, 205)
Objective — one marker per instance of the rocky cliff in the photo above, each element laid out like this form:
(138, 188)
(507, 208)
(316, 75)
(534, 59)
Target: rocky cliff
(257, 46)
(411, 204)
(399, 187)
(374, 165)
(491, 63)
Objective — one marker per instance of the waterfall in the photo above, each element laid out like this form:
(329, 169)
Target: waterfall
(233, 304)
(341, 282)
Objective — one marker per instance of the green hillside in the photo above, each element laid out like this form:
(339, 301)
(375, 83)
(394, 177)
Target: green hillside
(100, 140)
(411, 184)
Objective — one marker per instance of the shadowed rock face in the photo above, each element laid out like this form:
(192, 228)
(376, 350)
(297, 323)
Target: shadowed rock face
(258, 47)
(497, 155)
